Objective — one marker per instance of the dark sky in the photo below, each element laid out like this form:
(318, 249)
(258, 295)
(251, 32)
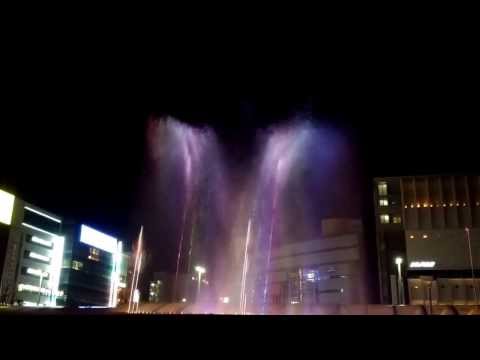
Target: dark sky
(73, 122)
(83, 153)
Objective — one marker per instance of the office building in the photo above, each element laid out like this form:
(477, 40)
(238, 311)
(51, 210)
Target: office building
(49, 261)
(324, 271)
(94, 269)
(428, 239)
(32, 247)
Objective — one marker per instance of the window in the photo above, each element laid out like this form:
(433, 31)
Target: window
(77, 265)
(94, 254)
(39, 241)
(382, 189)
(385, 219)
(397, 219)
(383, 202)
(37, 256)
(33, 217)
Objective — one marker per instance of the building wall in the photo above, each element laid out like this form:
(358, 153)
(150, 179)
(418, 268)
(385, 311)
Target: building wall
(328, 270)
(443, 291)
(4, 234)
(19, 284)
(87, 272)
(423, 219)
(447, 248)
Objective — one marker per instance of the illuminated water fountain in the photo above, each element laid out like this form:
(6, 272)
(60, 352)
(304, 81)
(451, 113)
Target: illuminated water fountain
(232, 227)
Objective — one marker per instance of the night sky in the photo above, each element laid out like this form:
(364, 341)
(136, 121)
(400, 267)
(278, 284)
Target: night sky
(73, 135)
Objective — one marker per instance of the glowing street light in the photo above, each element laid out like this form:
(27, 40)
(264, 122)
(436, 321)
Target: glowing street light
(399, 262)
(200, 270)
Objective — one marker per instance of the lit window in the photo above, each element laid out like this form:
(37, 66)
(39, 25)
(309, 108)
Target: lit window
(382, 189)
(94, 254)
(36, 256)
(43, 242)
(397, 219)
(77, 265)
(383, 202)
(385, 219)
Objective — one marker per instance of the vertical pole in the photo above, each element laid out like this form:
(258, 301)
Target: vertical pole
(199, 285)
(40, 289)
(400, 284)
(467, 230)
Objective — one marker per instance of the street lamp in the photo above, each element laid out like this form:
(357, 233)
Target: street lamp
(200, 270)
(399, 262)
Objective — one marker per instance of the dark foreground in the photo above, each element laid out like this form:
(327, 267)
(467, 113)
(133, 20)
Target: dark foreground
(185, 309)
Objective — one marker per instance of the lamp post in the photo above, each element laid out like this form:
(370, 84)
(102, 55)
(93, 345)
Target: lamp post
(399, 262)
(429, 284)
(200, 270)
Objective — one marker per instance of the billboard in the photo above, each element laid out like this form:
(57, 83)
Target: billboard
(6, 207)
(98, 239)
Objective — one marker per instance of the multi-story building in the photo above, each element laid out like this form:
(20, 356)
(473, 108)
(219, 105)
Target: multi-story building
(33, 254)
(428, 239)
(327, 270)
(50, 261)
(94, 268)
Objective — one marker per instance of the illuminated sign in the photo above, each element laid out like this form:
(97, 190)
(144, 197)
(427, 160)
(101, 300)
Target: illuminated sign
(32, 288)
(6, 207)
(98, 239)
(423, 264)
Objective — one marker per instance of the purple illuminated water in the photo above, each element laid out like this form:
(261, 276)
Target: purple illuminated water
(301, 174)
